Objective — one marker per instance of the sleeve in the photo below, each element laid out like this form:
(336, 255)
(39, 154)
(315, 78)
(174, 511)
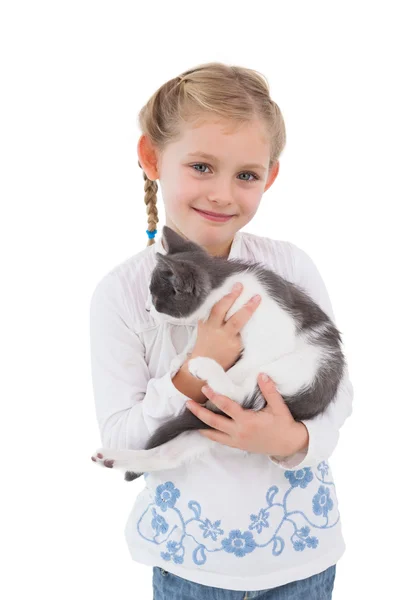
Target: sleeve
(129, 404)
(323, 429)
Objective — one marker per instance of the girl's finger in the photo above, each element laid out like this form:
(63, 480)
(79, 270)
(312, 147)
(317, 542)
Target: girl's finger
(274, 399)
(217, 314)
(238, 320)
(227, 405)
(210, 418)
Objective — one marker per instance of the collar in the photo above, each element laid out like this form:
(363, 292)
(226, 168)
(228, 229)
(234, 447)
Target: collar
(234, 252)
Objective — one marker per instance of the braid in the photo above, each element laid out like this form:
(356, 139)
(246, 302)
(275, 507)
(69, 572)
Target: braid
(150, 199)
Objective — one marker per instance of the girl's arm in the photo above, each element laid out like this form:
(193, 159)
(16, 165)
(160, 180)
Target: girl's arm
(129, 404)
(189, 385)
(323, 430)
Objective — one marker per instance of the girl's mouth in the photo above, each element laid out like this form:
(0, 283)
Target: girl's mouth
(212, 217)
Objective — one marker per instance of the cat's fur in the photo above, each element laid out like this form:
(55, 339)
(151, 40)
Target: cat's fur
(289, 337)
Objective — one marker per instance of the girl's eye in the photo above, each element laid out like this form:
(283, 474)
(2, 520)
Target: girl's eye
(245, 173)
(199, 165)
(252, 175)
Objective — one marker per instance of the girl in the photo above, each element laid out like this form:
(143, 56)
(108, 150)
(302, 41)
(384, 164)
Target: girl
(262, 524)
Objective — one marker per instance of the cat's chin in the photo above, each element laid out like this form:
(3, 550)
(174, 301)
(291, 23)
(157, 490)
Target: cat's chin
(159, 317)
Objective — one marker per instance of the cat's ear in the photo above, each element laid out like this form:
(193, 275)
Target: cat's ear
(169, 267)
(180, 276)
(174, 242)
(166, 262)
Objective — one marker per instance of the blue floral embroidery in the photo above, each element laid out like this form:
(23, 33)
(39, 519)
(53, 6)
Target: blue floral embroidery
(322, 502)
(239, 543)
(259, 521)
(159, 524)
(167, 495)
(303, 539)
(323, 468)
(265, 528)
(312, 542)
(301, 478)
(173, 551)
(211, 530)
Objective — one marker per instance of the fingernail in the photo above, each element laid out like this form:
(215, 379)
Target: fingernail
(256, 298)
(237, 287)
(264, 377)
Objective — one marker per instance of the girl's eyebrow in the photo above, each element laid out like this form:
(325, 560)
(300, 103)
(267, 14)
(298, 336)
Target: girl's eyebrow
(211, 157)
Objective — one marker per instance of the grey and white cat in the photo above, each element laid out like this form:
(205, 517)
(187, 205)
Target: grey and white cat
(289, 337)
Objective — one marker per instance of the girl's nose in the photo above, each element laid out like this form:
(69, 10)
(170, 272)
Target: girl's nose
(221, 194)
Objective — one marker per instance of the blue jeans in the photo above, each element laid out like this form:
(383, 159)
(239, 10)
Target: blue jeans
(167, 586)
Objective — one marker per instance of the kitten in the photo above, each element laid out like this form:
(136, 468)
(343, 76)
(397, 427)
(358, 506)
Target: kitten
(289, 337)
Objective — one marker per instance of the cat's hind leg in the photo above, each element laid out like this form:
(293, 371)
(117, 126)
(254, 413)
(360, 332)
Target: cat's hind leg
(172, 454)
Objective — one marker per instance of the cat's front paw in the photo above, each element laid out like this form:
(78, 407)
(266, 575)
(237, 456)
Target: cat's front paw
(205, 368)
(210, 371)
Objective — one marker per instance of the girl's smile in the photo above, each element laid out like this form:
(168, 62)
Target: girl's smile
(217, 217)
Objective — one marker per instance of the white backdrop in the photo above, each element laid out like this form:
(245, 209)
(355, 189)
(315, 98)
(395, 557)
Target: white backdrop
(74, 75)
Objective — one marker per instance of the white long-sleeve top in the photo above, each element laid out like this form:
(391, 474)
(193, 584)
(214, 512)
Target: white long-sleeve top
(240, 521)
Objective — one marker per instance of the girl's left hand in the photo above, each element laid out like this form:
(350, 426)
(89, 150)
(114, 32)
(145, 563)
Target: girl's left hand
(271, 430)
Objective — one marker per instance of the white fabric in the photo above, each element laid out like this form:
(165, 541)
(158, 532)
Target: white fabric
(221, 523)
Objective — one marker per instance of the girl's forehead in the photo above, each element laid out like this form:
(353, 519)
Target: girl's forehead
(221, 125)
(250, 138)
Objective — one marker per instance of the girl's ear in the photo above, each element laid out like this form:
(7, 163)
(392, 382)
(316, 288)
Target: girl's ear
(272, 175)
(148, 157)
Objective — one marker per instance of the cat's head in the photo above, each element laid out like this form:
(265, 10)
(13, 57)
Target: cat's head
(180, 281)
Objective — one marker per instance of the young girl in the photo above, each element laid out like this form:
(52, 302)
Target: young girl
(262, 524)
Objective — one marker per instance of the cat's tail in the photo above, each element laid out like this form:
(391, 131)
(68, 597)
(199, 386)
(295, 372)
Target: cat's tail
(186, 421)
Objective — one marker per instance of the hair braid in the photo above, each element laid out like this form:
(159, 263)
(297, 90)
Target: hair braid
(150, 199)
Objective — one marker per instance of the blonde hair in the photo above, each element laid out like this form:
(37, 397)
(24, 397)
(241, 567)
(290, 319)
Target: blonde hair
(230, 92)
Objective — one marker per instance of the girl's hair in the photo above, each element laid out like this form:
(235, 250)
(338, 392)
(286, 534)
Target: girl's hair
(214, 88)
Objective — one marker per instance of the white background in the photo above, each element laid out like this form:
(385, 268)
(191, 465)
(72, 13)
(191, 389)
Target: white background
(74, 75)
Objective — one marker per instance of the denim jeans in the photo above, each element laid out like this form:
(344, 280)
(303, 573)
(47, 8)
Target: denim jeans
(167, 586)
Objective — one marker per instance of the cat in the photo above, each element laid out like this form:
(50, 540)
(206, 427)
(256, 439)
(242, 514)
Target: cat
(289, 337)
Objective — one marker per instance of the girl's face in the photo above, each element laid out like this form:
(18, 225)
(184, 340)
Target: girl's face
(218, 167)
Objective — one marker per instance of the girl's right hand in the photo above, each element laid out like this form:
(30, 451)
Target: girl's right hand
(220, 339)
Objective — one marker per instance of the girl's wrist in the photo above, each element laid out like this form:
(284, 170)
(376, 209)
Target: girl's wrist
(189, 385)
(299, 438)
(298, 441)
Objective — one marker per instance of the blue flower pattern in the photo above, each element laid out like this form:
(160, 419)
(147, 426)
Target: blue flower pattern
(239, 543)
(322, 503)
(301, 478)
(260, 520)
(261, 532)
(159, 524)
(167, 495)
(211, 530)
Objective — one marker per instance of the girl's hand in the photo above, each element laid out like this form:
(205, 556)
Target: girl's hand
(220, 339)
(271, 430)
